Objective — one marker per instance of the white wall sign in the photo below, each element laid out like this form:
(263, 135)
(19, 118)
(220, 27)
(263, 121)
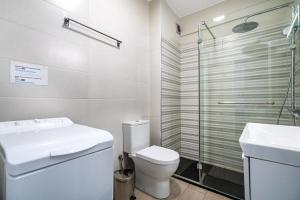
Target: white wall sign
(25, 73)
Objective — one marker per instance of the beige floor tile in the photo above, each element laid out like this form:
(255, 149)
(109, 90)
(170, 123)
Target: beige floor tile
(142, 196)
(190, 194)
(199, 189)
(214, 196)
(181, 190)
(138, 194)
(177, 188)
(226, 198)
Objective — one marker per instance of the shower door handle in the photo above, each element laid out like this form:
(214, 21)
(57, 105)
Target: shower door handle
(245, 103)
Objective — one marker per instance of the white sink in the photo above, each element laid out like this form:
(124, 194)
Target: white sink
(275, 143)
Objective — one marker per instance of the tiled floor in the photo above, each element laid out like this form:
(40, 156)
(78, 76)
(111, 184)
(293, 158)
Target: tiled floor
(181, 190)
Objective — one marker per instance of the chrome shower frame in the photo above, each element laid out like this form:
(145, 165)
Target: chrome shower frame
(291, 34)
(199, 165)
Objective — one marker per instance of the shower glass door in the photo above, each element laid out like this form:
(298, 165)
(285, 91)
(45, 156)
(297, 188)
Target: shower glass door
(242, 78)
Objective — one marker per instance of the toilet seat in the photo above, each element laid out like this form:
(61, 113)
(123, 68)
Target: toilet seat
(158, 155)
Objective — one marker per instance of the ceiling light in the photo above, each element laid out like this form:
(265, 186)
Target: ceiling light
(219, 18)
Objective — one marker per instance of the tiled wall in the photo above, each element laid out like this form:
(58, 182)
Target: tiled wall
(89, 82)
(170, 95)
(169, 85)
(189, 101)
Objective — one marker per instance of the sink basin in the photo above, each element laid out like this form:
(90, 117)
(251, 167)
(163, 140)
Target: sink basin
(275, 143)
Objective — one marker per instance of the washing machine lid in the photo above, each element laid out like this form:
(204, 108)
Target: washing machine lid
(158, 155)
(32, 144)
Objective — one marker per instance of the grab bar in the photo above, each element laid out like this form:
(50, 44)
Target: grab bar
(245, 103)
(67, 24)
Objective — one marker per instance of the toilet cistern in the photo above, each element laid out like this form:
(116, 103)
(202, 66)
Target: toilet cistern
(154, 165)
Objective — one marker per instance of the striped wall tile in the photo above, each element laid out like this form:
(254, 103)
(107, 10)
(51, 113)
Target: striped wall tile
(170, 95)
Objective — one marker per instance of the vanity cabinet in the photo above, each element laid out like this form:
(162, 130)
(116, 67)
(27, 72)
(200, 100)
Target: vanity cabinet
(267, 180)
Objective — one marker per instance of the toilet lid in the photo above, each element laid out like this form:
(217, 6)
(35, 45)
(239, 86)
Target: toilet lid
(158, 155)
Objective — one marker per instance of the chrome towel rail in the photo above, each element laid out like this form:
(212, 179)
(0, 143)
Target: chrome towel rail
(67, 25)
(246, 103)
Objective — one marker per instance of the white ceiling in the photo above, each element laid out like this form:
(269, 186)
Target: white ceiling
(186, 7)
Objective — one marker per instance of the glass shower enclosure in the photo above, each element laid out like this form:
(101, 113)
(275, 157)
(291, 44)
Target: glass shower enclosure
(242, 79)
(213, 86)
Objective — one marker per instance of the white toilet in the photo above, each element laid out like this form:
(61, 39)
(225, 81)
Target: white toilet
(154, 165)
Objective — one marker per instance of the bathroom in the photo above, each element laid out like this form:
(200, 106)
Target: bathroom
(197, 99)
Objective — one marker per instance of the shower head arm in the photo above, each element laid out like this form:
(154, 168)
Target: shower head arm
(208, 29)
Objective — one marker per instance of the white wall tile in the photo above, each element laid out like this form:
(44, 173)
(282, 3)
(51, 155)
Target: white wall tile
(155, 130)
(31, 108)
(19, 42)
(79, 8)
(40, 16)
(61, 84)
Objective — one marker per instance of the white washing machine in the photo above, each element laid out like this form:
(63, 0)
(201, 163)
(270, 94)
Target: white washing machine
(55, 159)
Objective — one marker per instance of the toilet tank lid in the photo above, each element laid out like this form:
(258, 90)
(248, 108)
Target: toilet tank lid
(136, 123)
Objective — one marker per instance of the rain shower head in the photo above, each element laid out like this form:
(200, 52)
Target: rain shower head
(245, 27)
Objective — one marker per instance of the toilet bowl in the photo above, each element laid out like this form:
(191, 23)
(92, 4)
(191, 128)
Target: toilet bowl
(154, 167)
